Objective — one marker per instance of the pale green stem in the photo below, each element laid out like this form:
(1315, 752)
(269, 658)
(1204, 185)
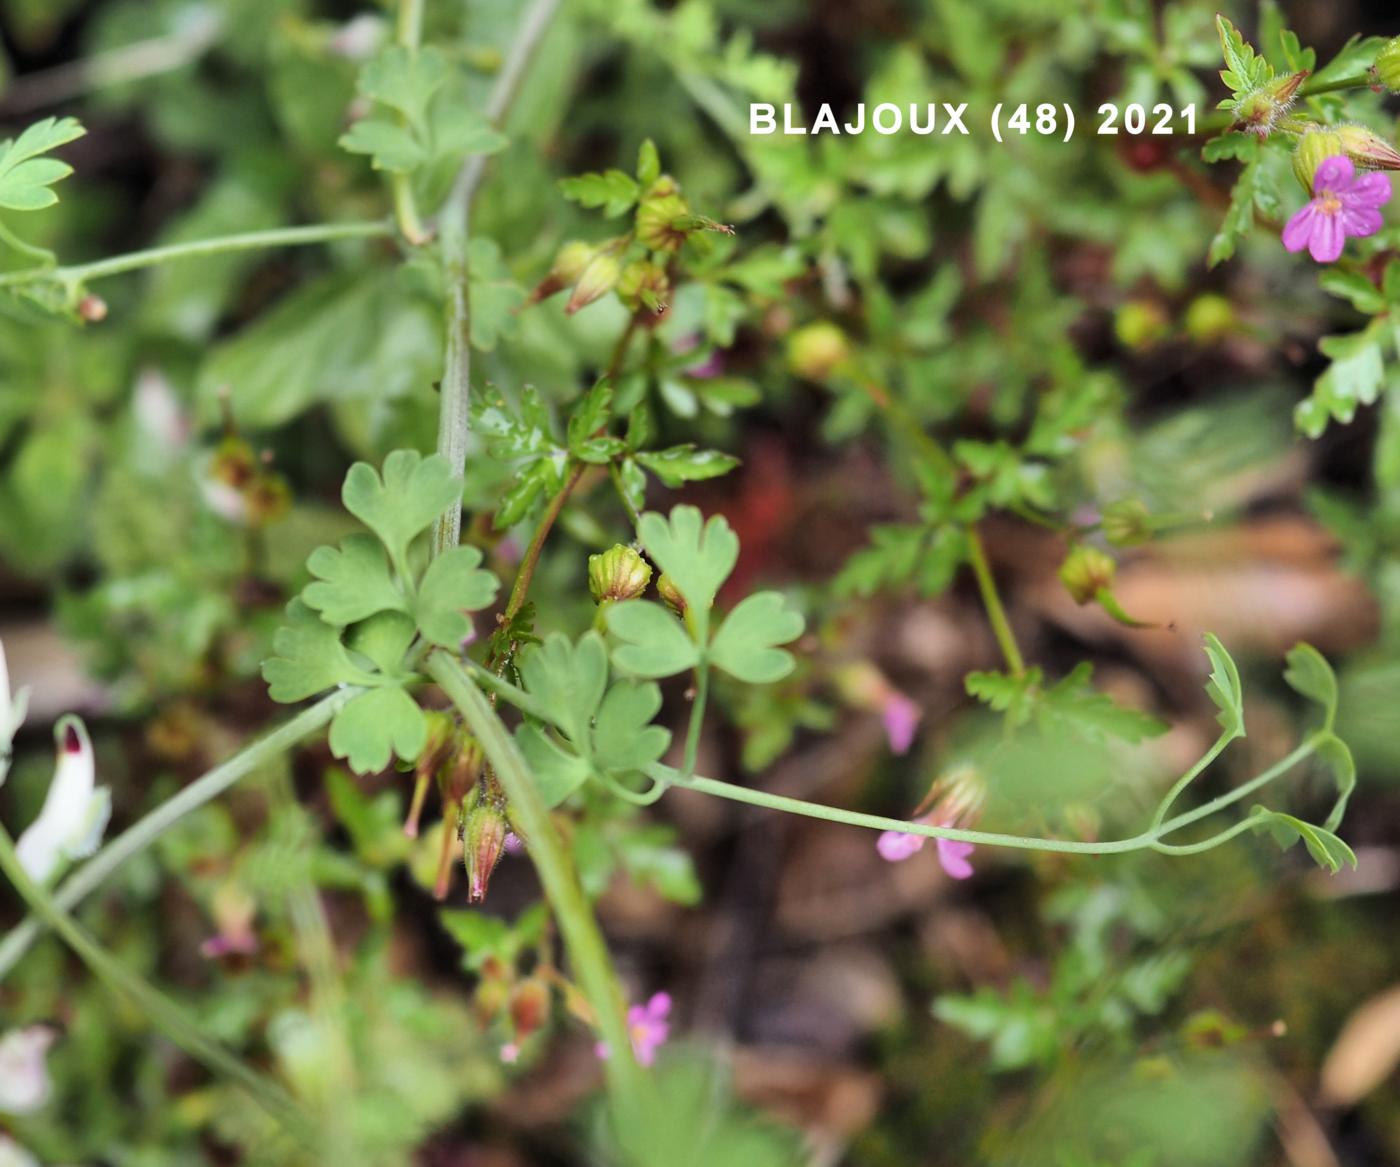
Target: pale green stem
(991, 600)
(162, 1012)
(1190, 776)
(454, 231)
(408, 32)
(629, 1088)
(74, 275)
(140, 835)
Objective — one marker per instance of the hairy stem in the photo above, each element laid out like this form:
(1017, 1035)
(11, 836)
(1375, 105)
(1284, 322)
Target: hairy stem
(991, 600)
(163, 1013)
(140, 835)
(629, 1089)
(454, 233)
(74, 275)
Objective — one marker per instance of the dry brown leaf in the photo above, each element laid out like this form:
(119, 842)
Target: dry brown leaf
(1366, 1051)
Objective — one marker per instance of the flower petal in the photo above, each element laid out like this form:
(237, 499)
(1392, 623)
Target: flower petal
(1327, 238)
(1371, 190)
(1359, 222)
(1335, 173)
(900, 716)
(953, 856)
(1297, 232)
(897, 846)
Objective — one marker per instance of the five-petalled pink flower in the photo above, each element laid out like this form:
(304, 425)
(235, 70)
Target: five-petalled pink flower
(1344, 205)
(648, 1027)
(956, 801)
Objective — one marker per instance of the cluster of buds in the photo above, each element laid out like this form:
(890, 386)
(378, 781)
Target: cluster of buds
(1365, 149)
(590, 270)
(522, 1003)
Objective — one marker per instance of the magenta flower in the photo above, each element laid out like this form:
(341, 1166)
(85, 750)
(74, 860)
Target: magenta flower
(648, 1028)
(897, 846)
(1344, 204)
(900, 717)
(953, 856)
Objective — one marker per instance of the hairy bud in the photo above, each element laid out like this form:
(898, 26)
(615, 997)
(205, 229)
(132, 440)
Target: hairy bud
(598, 279)
(1314, 148)
(661, 219)
(484, 838)
(1368, 150)
(1127, 523)
(670, 594)
(1387, 66)
(644, 283)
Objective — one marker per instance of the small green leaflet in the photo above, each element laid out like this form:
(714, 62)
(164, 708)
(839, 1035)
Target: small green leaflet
(613, 190)
(352, 582)
(678, 465)
(373, 726)
(453, 585)
(1355, 376)
(398, 507)
(1309, 673)
(1244, 69)
(1327, 850)
(308, 658)
(654, 643)
(744, 646)
(1223, 688)
(697, 555)
(26, 178)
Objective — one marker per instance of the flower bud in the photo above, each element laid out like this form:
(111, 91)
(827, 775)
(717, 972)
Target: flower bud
(268, 498)
(1085, 572)
(484, 837)
(1368, 150)
(1209, 317)
(814, 351)
(1140, 324)
(92, 309)
(1261, 111)
(1387, 67)
(644, 283)
(1314, 148)
(458, 773)
(619, 573)
(598, 279)
(569, 265)
(434, 753)
(529, 1007)
(234, 462)
(1126, 523)
(671, 595)
(661, 220)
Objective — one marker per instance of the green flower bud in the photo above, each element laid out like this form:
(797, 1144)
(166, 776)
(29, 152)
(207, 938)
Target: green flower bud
(661, 221)
(671, 595)
(1140, 324)
(1313, 148)
(1387, 67)
(619, 573)
(569, 265)
(1086, 571)
(1209, 317)
(644, 283)
(1261, 111)
(1126, 523)
(484, 836)
(598, 279)
(815, 350)
(1368, 150)
(268, 498)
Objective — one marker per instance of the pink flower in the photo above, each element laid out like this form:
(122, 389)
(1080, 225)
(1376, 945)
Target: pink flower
(900, 717)
(1344, 204)
(897, 846)
(510, 1053)
(953, 856)
(648, 1028)
(956, 801)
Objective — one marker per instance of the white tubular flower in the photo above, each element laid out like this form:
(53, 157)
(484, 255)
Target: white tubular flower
(24, 1075)
(12, 709)
(74, 815)
(13, 1155)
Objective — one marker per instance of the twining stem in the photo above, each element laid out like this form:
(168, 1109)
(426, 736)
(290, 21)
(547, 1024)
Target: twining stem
(74, 275)
(141, 834)
(991, 600)
(164, 1013)
(1152, 837)
(629, 1089)
(454, 232)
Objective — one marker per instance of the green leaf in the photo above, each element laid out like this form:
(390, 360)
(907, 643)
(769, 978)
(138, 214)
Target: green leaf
(1309, 673)
(1354, 378)
(678, 465)
(1336, 756)
(1354, 287)
(648, 163)
(655, 642)
(568, 682)
(557, 772)
(744, 645)
(697, 555)
(25, 178)
(1224, 689)
(494, 295)
(1244, 69)
(591, 414)
(458, 133)
(309, 658)
(651, 857)
(370, 728)
(1074, 703)
(412, 493)
(1327, 850)
(624, 739)
(533, 482)
(453, 585)
(614, 191)
(391, 147)
(404, 80)
(383, 639)
(352, 583)
(1012, 695)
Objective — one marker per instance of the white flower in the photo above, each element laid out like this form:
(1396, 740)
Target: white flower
(12, 710)
(74, 814)
(24, 1078)
(13, 1155)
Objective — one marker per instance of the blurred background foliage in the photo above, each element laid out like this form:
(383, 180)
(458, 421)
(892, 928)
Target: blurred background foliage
(1045, 307)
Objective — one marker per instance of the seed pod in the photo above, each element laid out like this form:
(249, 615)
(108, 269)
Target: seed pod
(1368, 150)
(598, 279)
